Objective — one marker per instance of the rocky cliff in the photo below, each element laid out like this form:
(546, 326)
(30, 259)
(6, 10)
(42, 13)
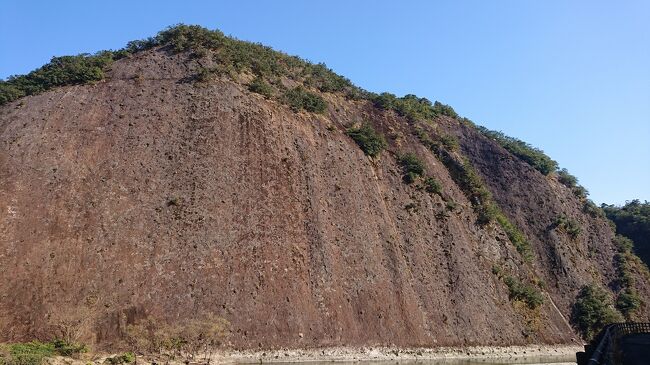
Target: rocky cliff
(162, 192)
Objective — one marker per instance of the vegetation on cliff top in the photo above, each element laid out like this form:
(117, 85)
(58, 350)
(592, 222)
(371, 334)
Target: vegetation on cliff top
(231, 55)
(524, 151)
(534, 157)
(412, 107)
(61, 71)
(571, 182)
(269, 66)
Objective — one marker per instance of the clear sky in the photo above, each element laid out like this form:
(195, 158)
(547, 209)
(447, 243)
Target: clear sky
(570, 77)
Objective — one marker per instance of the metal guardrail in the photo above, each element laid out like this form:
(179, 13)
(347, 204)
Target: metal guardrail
(605, 351)
(602, 353)
(622, 329)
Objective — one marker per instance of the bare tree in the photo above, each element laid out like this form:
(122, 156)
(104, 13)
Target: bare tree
(72, 324)
(186, 339)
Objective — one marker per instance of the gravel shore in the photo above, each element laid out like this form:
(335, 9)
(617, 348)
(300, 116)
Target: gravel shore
(352, 354)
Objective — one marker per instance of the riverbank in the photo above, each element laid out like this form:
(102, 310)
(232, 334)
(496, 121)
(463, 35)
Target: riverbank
(515, 354)
(348, 354)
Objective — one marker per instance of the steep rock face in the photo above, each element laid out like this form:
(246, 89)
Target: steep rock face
(534, 202)
(148, 195)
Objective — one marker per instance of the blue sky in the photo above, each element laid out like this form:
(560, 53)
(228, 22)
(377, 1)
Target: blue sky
(570, 77)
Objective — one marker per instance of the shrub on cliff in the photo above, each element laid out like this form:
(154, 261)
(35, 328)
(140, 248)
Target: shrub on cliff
(568, 225)
(523, 292)
(65, 348)
(628, 302)
(299, 98)
(432, 186)
(9, 92)
(324, 79)
(571, 182)
(564, 177)
(385, 101)
(589, 207)
(412, 167)
(626, 262)
(449, 142)
(370, 142)
(472, 184)
(444, 109)
(183, 38)
(412, 106)
(593, 310)
(258, 85)
(125, 358)
(476, 191)
(515, 235)
(202, 75)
